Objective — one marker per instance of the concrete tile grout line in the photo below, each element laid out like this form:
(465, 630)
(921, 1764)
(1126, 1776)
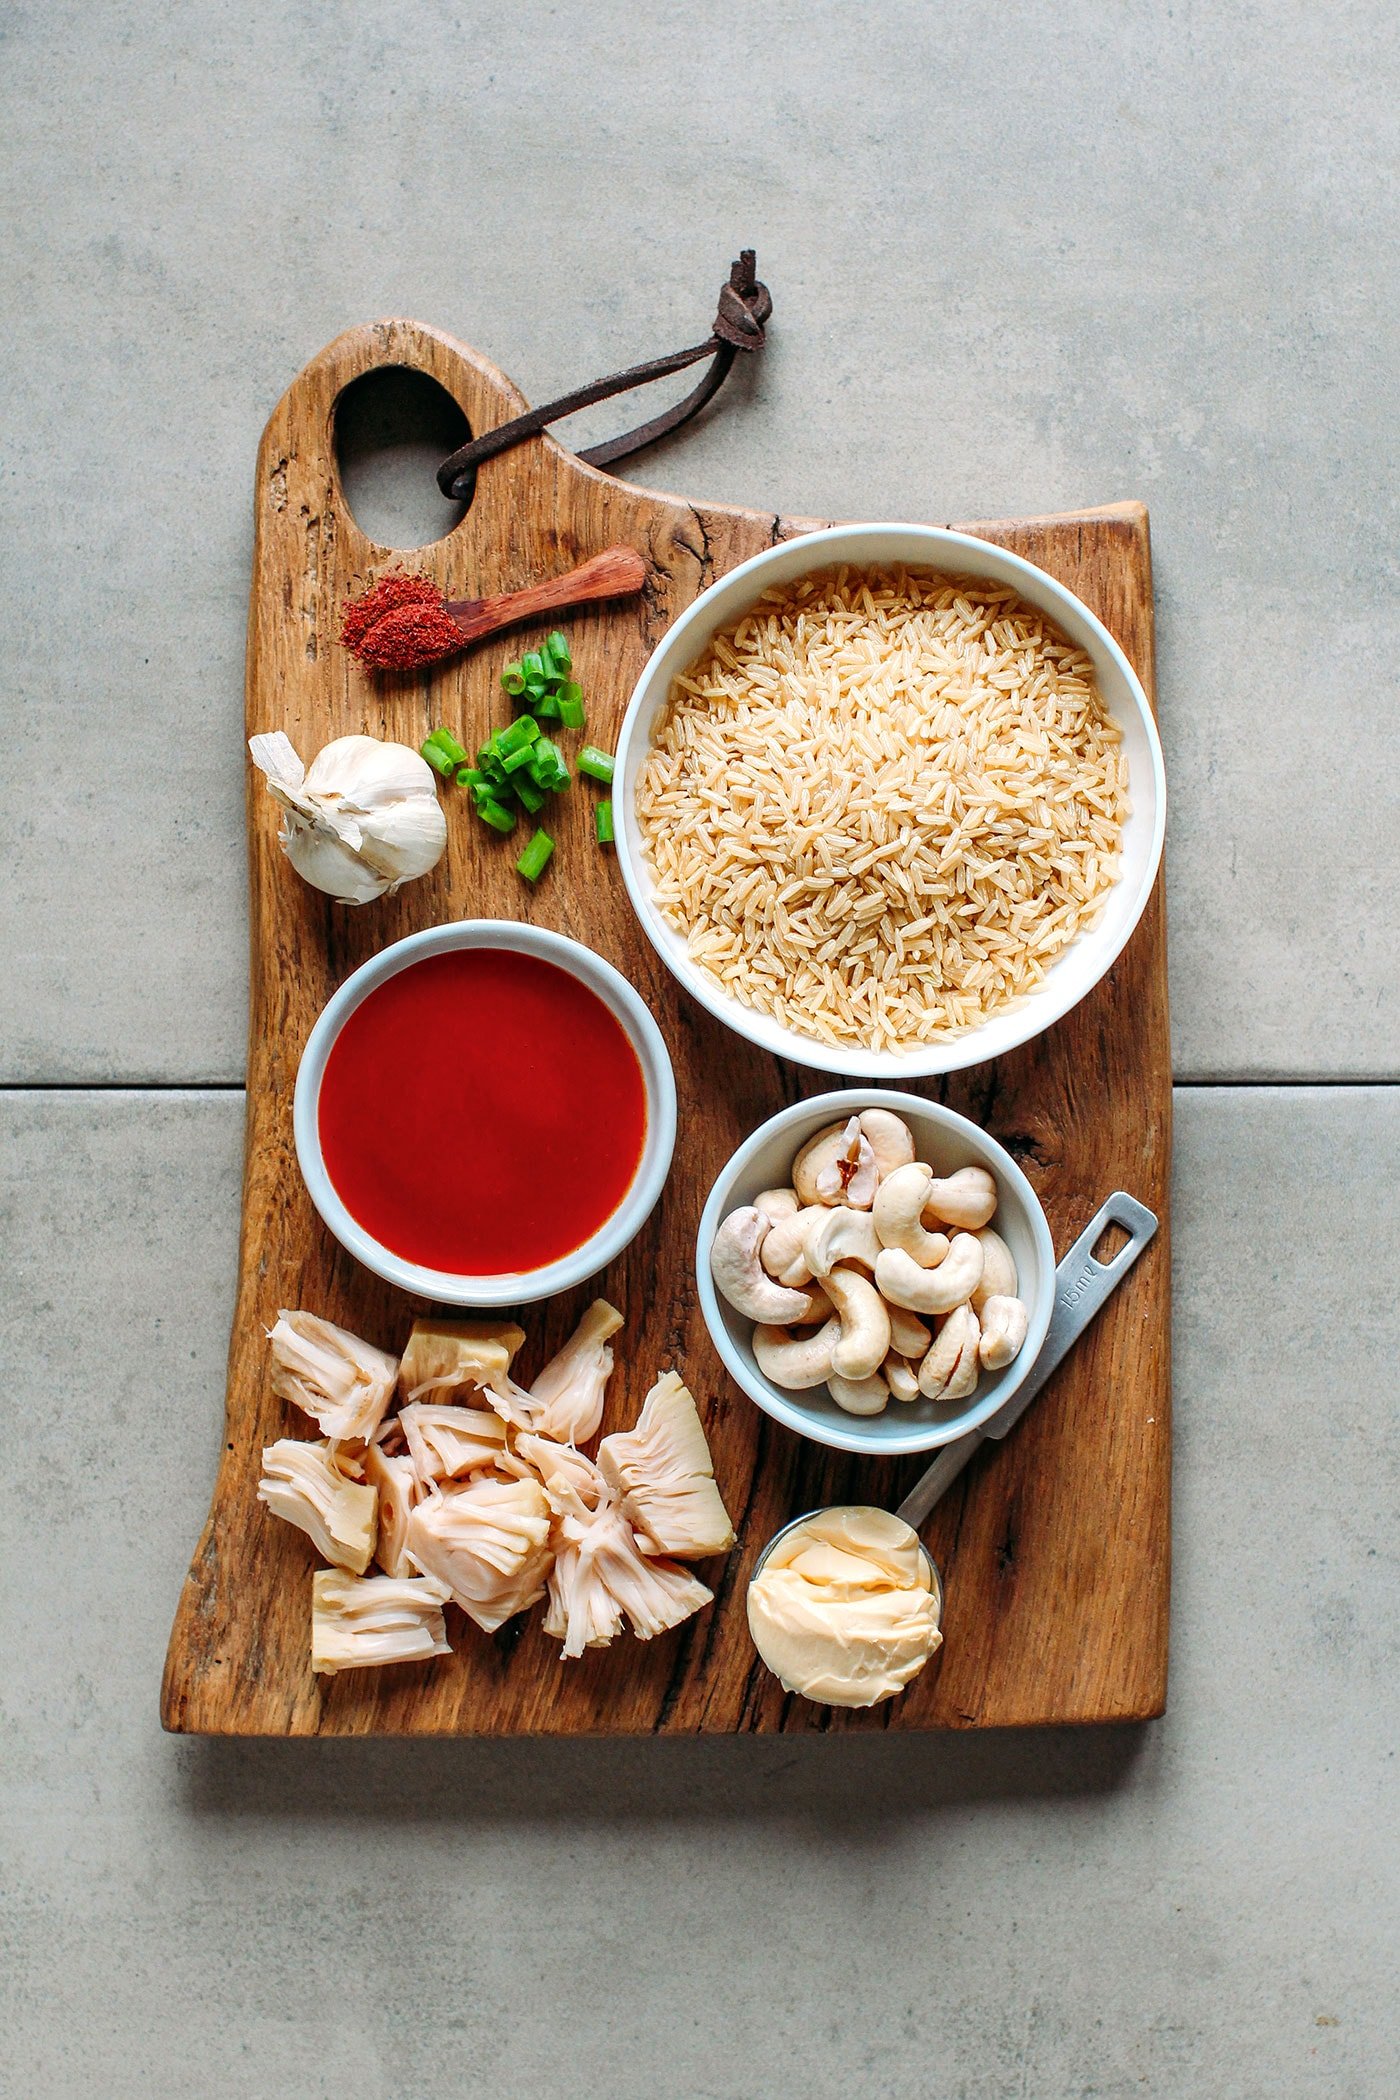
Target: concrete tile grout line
(235, 1086)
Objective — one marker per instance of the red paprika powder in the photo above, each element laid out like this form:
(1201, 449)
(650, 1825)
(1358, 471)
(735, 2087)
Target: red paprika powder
(400, 624)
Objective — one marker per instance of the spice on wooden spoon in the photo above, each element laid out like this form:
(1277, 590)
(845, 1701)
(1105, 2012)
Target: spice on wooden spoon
(403, 622)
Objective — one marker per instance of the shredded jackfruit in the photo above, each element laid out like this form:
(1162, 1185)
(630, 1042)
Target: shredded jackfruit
(582, 1612)
(446, 1357)
(317, 1488)
(357, 1622)
(481, 1495)
(571, 1480)
(445, 1442)
(489, 1543)
(343, 1383)
(512, 1402)
(568, 1394)
(394, 1477)
(662, 1473)
(604, 1574)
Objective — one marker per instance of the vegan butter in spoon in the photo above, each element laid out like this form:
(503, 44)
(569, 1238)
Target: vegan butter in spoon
(844, 1606)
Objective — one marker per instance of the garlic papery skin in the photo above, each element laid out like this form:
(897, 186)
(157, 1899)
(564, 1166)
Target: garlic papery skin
(361, 821)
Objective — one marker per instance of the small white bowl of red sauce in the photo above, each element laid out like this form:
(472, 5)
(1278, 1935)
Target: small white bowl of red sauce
(485, 1113)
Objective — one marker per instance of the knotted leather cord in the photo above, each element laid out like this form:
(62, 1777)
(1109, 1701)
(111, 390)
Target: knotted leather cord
(744, 306)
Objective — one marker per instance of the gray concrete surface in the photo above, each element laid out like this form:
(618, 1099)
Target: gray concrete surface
(1024, 259)
(1204, 1907)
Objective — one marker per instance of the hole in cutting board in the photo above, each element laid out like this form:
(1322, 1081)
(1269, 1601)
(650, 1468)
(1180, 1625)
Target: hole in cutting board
(393, 430)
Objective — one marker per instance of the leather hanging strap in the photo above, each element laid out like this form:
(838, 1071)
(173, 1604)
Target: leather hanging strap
(744, 307)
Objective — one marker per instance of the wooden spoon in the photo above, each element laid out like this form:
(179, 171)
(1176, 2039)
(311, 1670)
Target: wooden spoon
(618, 572)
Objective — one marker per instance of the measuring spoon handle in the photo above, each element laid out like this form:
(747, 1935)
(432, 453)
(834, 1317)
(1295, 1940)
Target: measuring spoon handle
(1082, 1286)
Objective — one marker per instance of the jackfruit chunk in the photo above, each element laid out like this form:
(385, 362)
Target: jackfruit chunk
(662, 1473)
(599, 1574)
(309, 1485)
(359, 1622)
(571, 1481)
(394, 1477)
(511, 1402)
(444, 1442)
(568, 1394)
(582, 1612)
(455, 1356)
(489, 1543)
(343, 1383)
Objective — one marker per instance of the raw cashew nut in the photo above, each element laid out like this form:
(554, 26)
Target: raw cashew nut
(784, 1251)
(859, 1396)
(1004, 1324)
(891, 1139)
(949, 1371)
(967, 1198)
(900, 1379)
(819, 1307)
(909, 1337)
(865, 1324)
(793, 1364)
(777, 1203)
(999, 1279)
(837, 1166)
(738, 1274)
(899, 1205)
(900, 1279)
(841, 1234)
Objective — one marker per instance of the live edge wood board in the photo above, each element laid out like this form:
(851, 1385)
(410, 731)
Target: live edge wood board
(1054, 1547)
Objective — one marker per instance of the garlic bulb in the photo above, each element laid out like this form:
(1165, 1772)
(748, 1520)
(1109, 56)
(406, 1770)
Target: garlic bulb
(364, 818)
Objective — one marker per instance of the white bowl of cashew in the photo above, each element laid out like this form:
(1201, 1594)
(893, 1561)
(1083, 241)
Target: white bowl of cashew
(945, 1142)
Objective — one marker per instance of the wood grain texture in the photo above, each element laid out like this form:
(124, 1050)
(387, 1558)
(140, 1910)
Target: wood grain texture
(1054, 1547)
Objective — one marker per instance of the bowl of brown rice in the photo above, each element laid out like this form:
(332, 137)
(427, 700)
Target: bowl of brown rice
(889, 800)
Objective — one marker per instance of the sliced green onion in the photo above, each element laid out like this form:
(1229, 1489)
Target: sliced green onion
(469, 777)
(516, 736)
(571, 706)
(490, 791)
(596, 764)
(533, 666)
(547, 767)
(531, 863)
(603, 819)
(513, 679)
(556, 654)
(514, 760)
(526, 793)
(545, 706)
(496, 815)
(442, 750)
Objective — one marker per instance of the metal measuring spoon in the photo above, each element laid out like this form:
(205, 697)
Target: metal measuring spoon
(1082, 1288)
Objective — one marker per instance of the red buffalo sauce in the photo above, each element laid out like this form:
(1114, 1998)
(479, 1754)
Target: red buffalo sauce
(482, 1111)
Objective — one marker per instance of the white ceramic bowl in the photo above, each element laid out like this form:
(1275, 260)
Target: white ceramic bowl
(946, 1142)
(514, 1287)
(1081, 966)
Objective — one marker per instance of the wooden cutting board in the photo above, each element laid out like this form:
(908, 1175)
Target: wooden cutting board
(1054, 1547)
